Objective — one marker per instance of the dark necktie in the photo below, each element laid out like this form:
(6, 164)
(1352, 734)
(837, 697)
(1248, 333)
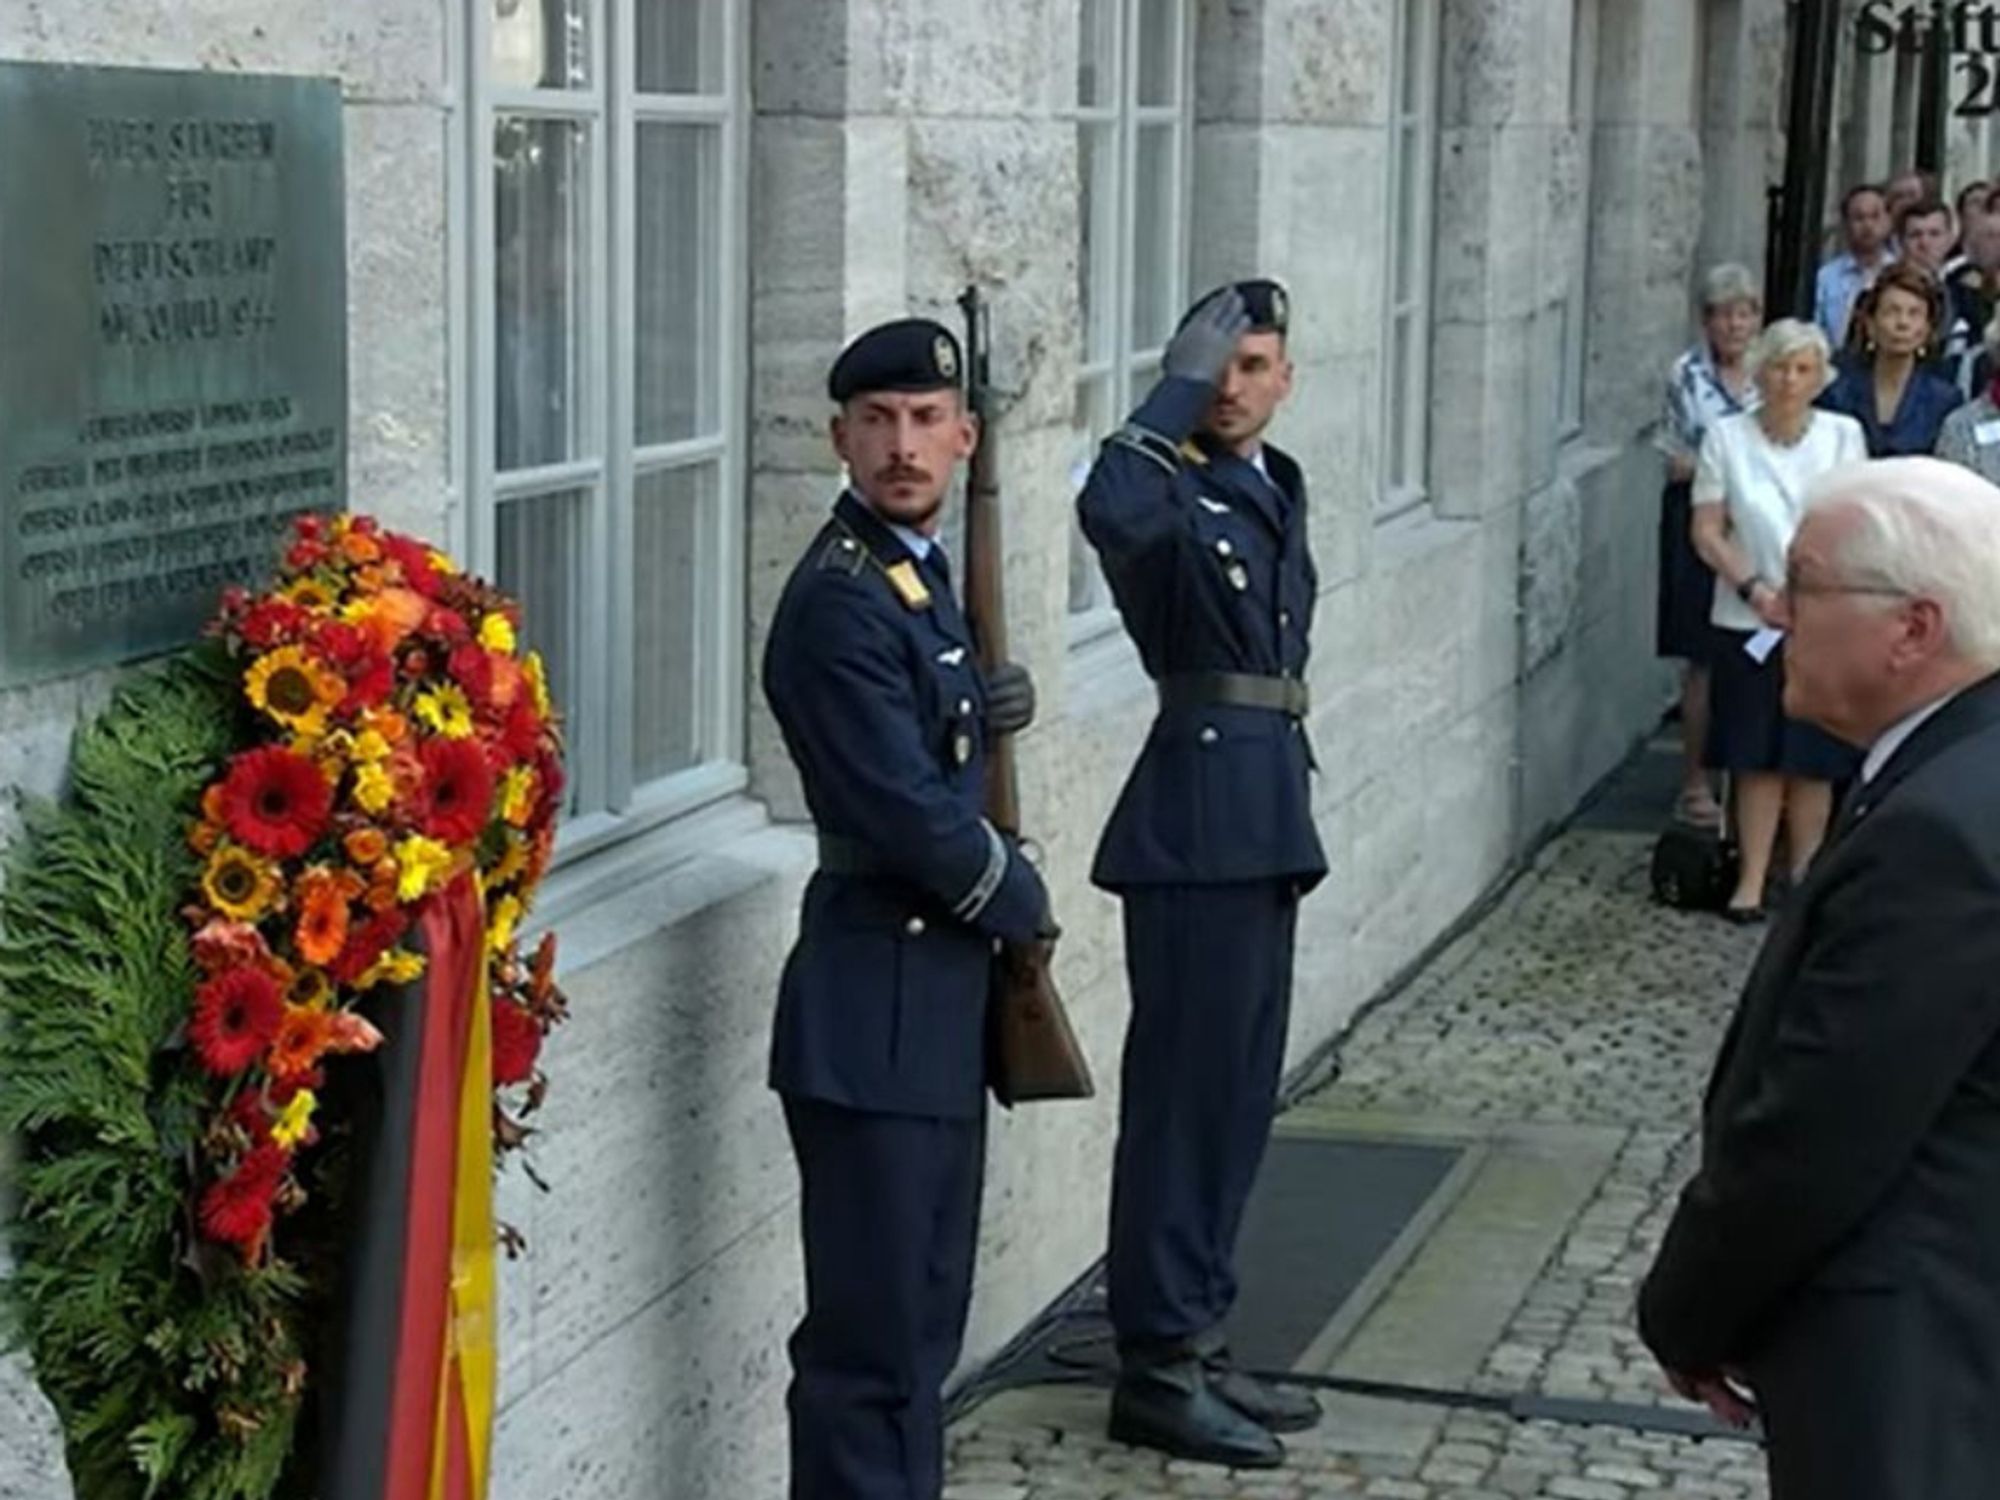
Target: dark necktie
(937, 563)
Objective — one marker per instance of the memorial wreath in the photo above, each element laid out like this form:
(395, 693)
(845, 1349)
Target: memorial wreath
(320, 826)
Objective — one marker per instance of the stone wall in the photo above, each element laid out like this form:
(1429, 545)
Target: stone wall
(1479, 662)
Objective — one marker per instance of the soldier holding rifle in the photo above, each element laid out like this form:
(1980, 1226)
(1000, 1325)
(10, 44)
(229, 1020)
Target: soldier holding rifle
(880, 1048)
(1201, 526)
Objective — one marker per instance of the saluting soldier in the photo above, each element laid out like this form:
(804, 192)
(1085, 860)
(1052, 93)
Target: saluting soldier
(1201, 526)
(879, 1044)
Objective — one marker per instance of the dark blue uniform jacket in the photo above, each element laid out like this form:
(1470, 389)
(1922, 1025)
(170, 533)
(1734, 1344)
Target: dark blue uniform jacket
(1209, 565)
(883, 1002)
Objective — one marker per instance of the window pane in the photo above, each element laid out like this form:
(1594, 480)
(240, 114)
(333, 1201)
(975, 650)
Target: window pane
(1097, 53)
(541, 549)
(679, 282)
(1097, 219)
(1159, 79)
(1156, 245)
(541, 44)
(680, 47)
(668, 602)
(541, 263)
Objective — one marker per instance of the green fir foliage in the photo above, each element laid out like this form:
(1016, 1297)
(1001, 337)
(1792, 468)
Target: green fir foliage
(173, 1367)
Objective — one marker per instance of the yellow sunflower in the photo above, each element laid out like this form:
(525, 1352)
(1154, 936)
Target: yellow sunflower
(513, 860)
(294, 689)
(447, 710)
(310, 989)
(239, 884)
(309, 593)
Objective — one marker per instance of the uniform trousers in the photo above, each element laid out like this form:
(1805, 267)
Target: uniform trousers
(1211, 978)
(890, 1207)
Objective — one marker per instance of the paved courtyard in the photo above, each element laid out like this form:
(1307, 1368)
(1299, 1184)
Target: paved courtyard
(1564, 1042)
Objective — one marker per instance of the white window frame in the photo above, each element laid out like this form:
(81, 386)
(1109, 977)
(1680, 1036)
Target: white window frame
(611, 805)
(1412, 156)
(1573, 347)
(1121, 368)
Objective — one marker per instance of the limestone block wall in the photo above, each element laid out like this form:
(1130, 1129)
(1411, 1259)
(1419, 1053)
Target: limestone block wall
(1478, 662)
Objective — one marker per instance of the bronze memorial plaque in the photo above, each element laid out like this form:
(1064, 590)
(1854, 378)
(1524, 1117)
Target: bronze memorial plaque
(173, 348)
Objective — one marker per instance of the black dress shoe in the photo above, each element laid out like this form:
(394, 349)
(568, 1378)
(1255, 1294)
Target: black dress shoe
(1743, 916)
(1172, 1408)
(1273, 1407)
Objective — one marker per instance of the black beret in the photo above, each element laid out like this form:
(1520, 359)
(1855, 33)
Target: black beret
(910, 354)
(1269, 308)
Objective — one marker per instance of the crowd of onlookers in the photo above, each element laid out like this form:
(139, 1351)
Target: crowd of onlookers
(1900, 358)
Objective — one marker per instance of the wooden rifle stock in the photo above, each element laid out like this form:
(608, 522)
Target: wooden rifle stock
(1032, 1051)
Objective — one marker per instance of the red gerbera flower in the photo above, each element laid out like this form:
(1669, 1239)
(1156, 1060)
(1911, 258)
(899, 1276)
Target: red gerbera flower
(517, 1042)
(471, 667)
(447, 624)
(271, 621)
(235, 1016)
(458, 790)
(237, 1209)
(521, 734)
(414, 558)
(276, 801)
(367, 943)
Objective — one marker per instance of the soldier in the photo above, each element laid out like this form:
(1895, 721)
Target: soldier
(879, 1044)
(1201, 526)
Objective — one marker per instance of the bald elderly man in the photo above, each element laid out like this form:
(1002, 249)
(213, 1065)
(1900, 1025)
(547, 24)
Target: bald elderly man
(1835, 1262)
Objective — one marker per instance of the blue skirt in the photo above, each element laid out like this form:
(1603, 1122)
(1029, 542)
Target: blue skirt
(1687, 584)
(1748, 730)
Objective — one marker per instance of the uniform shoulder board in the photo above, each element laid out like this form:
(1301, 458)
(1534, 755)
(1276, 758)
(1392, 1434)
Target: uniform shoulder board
(1191, 451)
(843, 554)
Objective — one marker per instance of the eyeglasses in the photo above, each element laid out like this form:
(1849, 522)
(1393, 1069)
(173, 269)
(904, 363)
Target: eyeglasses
(1799, 588)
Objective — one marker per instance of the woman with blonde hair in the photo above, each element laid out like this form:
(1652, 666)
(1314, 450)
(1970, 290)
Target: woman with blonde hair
(1748, 494)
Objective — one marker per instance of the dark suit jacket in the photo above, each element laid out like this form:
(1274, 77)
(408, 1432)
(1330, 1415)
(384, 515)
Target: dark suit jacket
(1841, 1239)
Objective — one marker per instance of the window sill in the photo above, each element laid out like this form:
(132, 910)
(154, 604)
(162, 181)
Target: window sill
(620, 894)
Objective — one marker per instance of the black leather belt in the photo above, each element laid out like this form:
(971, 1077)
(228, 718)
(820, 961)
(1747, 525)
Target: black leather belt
(1197, 690)
(843, 856)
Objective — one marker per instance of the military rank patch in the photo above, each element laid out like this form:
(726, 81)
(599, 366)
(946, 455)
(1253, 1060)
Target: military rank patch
(909, 587)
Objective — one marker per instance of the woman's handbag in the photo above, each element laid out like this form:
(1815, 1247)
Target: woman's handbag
(1694, 869)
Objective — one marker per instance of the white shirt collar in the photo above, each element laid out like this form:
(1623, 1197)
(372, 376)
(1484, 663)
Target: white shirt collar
(1890, 740)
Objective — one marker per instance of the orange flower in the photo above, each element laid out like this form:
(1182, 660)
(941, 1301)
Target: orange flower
(366, 845)
(203, 837)
(387, 722)
(213, 808)
(405, 609)
(304, 1035)
(322, 929)
(359, 547)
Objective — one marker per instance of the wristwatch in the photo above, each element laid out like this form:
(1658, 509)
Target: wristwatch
(1748, 587)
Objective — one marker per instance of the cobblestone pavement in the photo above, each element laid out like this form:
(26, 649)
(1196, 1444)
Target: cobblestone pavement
(1577, 1001)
